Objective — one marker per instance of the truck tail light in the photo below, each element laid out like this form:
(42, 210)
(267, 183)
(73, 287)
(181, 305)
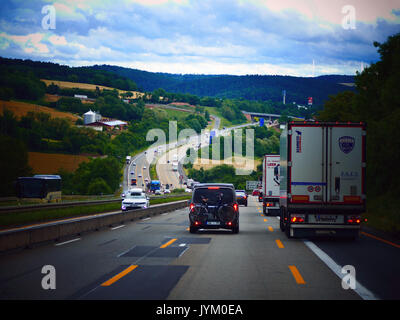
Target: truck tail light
(236, 207)
(297, 218)
(354, 220)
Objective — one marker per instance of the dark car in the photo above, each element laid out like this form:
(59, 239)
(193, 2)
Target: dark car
(214, 206)
(241, 197)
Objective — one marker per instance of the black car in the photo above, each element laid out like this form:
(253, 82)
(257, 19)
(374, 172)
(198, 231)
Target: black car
(241, 197)
(214, 206)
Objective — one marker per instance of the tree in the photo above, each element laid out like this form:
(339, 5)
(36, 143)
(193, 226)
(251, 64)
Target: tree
(13, 163)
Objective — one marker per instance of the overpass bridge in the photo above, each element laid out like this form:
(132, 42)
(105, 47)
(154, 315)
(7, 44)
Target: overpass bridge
(267, 116)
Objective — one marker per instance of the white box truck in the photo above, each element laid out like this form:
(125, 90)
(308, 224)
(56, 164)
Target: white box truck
(128, 159)
(270, 184)
(322, 178)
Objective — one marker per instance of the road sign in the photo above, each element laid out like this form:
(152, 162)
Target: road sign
(251, 185)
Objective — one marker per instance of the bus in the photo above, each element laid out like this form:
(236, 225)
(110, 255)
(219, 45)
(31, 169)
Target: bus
(41, 187)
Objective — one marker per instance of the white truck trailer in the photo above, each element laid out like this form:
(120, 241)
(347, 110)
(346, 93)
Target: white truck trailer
(270, 184)
(322, 178)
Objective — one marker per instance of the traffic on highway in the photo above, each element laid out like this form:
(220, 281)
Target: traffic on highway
(224, 245)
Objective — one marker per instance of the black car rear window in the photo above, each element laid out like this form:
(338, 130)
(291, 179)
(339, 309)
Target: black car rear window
(213, 196)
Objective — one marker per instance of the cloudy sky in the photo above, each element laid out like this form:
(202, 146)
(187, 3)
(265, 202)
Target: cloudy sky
(286, 37)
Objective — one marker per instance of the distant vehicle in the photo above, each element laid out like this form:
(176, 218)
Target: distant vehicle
(322, 170)
(241, 197)
(135, 198)
(132, 172)
(214, 206)
(270, 184)
(256, 192)
(175, 166)
(157, 192)
(155, 185)
(128, 159)
(188, 190)
(144, 167)
(43, 188)
(139, 175)
(134, 163)
(167, 191)
(133, 182)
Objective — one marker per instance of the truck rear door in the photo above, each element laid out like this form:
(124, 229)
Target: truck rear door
(345, 165)
(306, 164)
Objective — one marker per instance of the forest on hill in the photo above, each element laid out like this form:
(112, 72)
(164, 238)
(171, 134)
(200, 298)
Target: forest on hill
(248, 87)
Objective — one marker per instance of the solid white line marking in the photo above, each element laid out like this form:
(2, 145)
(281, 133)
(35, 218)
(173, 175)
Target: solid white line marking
(115, 228)
(182, 244)
(146, 219)
(69, 241)
(363, 292)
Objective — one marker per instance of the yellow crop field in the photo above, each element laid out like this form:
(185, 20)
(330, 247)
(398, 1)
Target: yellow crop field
(22, 108)
(87, 86)
(50, 163)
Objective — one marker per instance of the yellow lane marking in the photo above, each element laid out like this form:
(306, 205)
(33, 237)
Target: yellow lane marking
(279, 243)
(265, 220)
(270, 229)
(380, 239)
(118, 276)
(168, 243)
(296, 274)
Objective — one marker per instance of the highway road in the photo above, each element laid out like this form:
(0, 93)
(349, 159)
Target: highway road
(157, 258)
(164, 162)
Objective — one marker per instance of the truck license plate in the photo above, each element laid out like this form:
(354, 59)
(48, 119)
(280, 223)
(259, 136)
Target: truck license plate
(326, 218)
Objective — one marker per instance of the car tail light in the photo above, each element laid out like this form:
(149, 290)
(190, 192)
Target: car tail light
(236, 207)
(229, 223)
(297, 218)
(191, 206)
(196, 223)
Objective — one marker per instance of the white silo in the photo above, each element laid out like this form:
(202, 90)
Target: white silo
(89, 117)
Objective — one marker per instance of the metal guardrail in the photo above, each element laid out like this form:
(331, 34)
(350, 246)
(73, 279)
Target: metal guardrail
(41, 206)
(55, 231)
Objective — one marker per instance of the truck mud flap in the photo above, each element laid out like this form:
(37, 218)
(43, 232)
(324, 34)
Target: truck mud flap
(323, 232)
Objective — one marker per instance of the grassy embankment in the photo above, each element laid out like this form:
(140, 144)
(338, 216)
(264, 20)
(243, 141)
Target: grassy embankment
(16, 219)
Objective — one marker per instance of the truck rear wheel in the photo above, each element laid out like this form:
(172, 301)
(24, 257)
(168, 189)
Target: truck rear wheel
(281, 220)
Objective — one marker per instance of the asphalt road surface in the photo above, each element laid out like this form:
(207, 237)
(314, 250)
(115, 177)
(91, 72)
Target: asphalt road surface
(158, 258)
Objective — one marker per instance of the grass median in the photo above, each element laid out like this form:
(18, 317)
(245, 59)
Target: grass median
(24, 218)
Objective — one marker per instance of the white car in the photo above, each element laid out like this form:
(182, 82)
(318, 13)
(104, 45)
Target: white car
(135, 198)
(144, 167)
(167, 191)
